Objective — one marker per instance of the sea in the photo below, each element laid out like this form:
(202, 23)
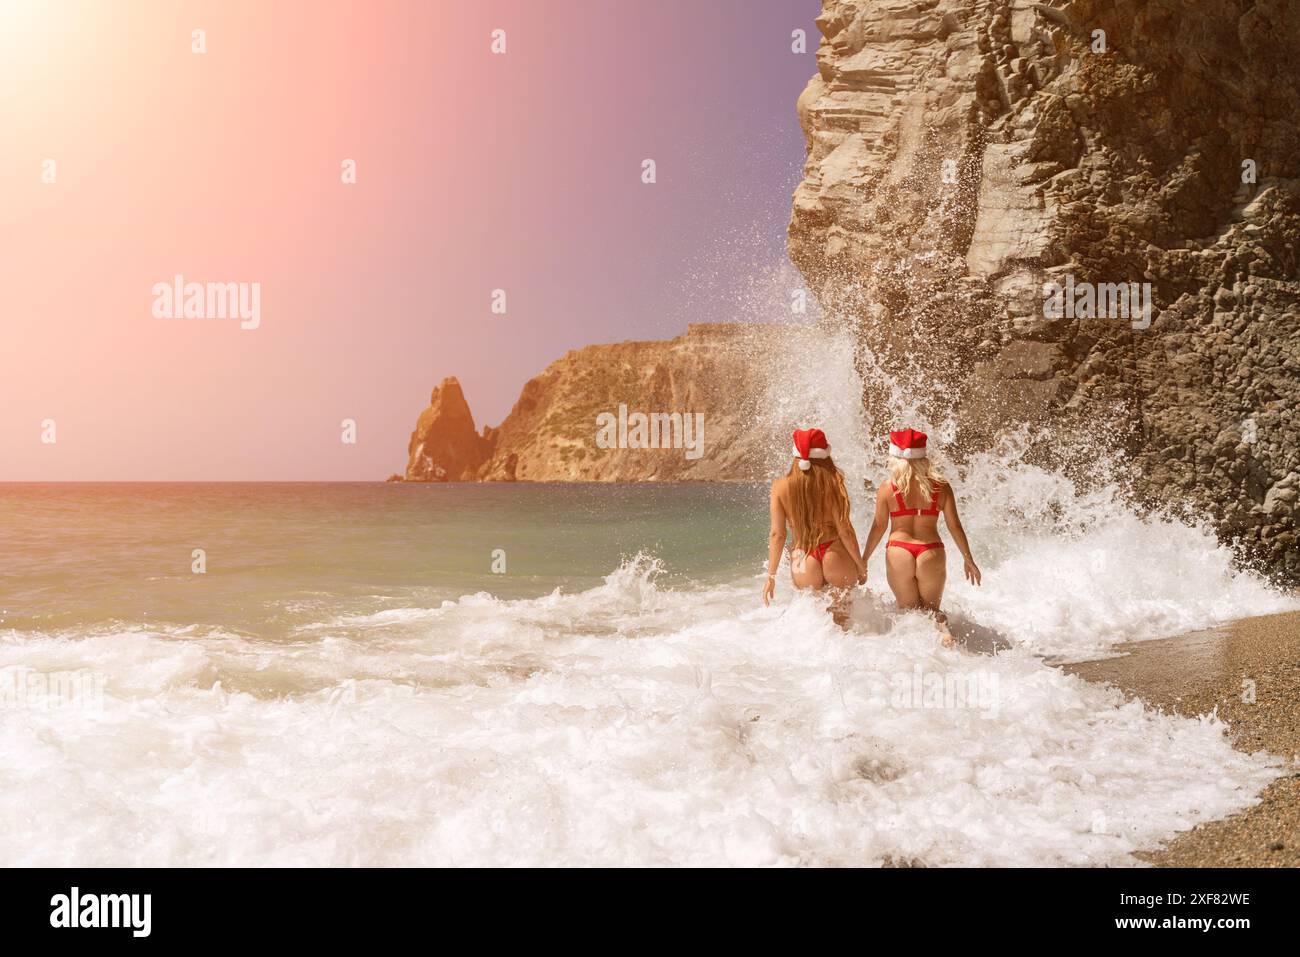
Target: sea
(347, 674)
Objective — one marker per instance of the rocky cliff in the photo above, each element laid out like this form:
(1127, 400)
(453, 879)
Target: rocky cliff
(681, 409)
(445, 446)
(963, 154)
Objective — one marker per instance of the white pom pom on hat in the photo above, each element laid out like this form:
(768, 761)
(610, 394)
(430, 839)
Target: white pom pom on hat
(908, 444)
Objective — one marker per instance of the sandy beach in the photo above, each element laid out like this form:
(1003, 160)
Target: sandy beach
(1213, 671)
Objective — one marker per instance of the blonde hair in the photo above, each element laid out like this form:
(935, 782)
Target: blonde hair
(919, 472)
(817, 499)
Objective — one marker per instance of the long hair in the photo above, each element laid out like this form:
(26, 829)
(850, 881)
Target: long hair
(907, 473)
(817, 498)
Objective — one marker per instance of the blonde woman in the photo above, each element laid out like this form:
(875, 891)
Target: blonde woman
(813, 500)
(908, 505)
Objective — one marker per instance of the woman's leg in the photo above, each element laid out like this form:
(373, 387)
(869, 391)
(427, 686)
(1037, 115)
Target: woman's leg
(931, 575)
(900, 569)
(805, 571)
(841, 573)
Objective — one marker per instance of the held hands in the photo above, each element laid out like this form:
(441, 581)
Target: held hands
(972, 572)
(862, 575)
(769, 589)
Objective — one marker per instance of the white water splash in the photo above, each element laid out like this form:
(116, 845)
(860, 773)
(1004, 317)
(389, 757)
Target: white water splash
(626, 724)
(1068, 571)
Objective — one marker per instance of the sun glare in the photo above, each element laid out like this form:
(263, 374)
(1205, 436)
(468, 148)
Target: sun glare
(20, 23)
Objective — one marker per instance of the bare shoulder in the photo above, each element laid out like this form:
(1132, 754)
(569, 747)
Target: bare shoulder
(778, 487)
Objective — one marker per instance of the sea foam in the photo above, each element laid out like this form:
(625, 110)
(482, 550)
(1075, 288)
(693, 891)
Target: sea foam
(626, 724)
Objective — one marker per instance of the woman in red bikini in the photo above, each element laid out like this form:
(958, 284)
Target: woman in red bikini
(813, 499)
(914, 557)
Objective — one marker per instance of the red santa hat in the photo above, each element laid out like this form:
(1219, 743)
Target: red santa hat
(810, 444)
(908, 444)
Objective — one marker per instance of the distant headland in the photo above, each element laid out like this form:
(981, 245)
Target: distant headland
(681, 409)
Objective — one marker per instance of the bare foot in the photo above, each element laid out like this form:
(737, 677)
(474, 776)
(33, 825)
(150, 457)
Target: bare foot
(945, 636)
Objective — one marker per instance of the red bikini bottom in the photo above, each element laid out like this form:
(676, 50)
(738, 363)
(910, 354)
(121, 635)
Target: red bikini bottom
(819, 551)
(916, 548)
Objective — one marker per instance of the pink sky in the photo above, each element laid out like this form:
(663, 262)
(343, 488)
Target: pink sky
(475, 172)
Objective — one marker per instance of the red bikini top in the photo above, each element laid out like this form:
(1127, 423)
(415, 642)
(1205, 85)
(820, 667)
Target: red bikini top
(903, 510)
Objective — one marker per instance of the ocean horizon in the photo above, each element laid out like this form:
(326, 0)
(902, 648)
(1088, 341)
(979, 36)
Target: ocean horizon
(509, 673)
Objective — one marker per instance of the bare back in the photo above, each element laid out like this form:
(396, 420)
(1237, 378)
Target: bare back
(826, 528)
(917, 527)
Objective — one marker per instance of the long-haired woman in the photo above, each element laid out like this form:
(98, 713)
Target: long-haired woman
(812, 498)
(909, 505)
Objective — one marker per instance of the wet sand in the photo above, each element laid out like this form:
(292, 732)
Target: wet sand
(1203, 671)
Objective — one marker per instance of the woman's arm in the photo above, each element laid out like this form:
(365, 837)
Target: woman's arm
(959, 535)
(849, 537)
(775, 542)
(879, 524)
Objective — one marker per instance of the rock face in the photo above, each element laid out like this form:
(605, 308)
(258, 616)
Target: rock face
(961, 155)
(700, 394)
(445, 446)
